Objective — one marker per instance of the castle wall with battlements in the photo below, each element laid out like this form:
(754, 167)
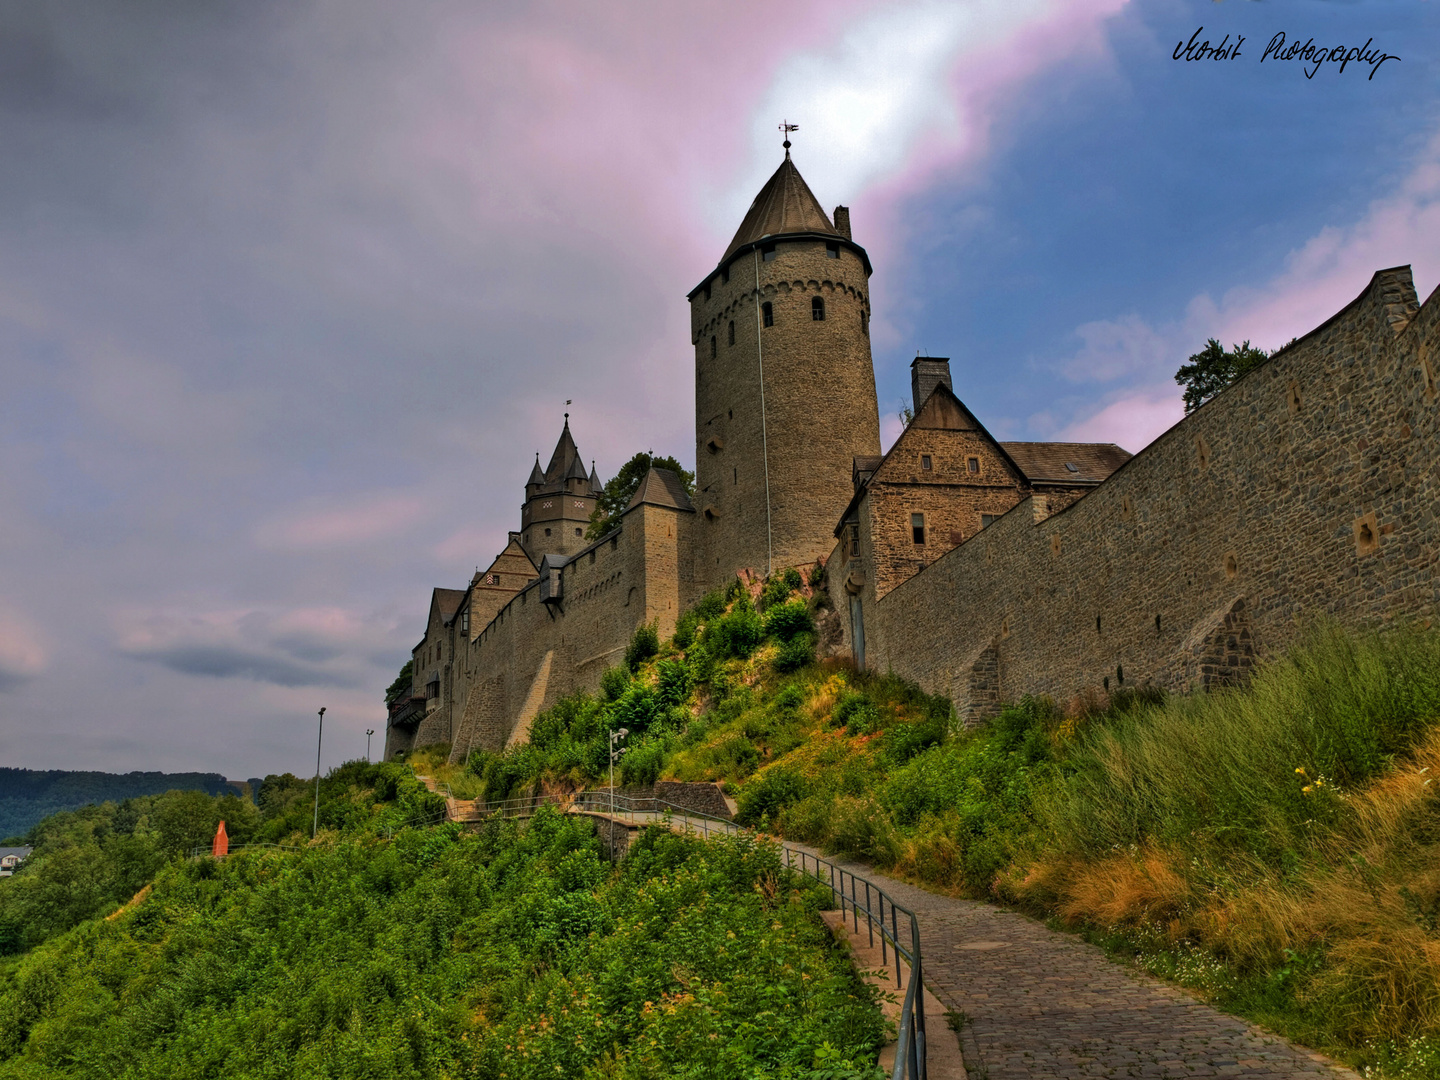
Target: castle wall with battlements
(533, 653)
(1309, 487)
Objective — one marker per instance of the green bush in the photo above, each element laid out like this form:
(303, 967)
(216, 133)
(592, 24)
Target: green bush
(770, 792)
(736, 634)
(673, 682)
(614, 682)
(789, 620)
(797, 653)
(857, 714)
(644, 644)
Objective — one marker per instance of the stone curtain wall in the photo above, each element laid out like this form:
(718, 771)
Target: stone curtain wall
(1309, 486)
(533, 654)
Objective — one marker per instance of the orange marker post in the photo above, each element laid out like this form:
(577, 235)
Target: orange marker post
(221, 847)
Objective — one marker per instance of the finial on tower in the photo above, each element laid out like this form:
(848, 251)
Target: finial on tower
(787, 127)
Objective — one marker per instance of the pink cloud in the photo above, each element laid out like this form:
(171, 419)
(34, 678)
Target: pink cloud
(1133, 421)
(22, 656)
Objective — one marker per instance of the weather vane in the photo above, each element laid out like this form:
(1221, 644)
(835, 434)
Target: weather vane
(788, 127)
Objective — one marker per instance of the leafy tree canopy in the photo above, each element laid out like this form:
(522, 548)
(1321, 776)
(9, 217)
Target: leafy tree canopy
(1212, 369)
(621, 489)
(402, 681)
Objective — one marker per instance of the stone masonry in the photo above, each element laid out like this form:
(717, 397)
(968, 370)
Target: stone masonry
(1308, 487)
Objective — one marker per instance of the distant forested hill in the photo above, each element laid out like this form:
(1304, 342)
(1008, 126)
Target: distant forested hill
(29, 795)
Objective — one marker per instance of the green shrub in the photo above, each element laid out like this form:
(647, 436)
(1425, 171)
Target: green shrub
(788, 620)
(614, 682)
(797, 653)
(644, 644)
(736, 634)
(857, 714)
(685, 629)
(768, 794)
(673, 682)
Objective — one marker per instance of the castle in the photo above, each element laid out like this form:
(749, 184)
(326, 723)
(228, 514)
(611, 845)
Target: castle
(982, 569)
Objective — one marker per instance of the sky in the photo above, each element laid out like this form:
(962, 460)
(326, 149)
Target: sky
(291, 293)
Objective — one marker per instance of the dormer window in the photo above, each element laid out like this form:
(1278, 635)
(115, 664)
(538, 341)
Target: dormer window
(767, 313)
(1072, 466)
(767, 253)
(817, 309)
(832, 250)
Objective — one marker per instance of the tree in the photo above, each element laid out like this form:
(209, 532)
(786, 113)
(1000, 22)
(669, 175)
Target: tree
(402, 681)
(1212, 369)
(621, 489)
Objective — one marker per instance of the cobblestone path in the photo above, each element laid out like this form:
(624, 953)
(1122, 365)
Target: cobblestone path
(1044, 1004)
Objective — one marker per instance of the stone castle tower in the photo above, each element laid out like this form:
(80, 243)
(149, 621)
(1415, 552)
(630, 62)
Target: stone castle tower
(558, 502)
(784, 384)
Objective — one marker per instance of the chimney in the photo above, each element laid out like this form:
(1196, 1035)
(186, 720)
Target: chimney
(926, 373)
(842, 221)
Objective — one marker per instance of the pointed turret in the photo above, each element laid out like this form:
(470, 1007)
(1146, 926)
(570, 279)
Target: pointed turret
(785, 205)
(595, 486)
(564, 457)
(537, 477)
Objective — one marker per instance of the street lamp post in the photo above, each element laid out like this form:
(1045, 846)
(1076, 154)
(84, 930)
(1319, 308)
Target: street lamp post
(615, 737)
(315, 828)
(368, 733)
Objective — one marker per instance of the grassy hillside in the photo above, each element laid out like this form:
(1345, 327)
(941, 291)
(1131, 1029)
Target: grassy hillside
(27, 796)
(1274, 848)
(390, 948)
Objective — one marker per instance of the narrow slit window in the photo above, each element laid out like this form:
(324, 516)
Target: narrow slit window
(767, 313)
(917, 528)
(854, 541)
(732, 332)
(817, 309)
(712, 346)
(864, 322)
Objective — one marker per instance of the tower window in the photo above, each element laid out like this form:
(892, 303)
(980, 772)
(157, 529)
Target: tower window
(864, 322)
(712, 346)
(917, 528)
(732, 332)
(579, 532)
(972, 464)
(854, 541)
(832, 250)
(547, 532)
(925, 462)
(735, 481)
(817, 309)
(767, 313)
(767, 252)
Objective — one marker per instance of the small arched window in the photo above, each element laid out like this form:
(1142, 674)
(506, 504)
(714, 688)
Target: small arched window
(817, 309)
(732, 332)
(767, 313)
(712, 346)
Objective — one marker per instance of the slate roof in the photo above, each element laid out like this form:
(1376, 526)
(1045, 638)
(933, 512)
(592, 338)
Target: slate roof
(1046, 462)
(537, 475)
(448, 602)
(785, 205)
(661, 487)
(22, 852)
(564, 457)
(595, 484)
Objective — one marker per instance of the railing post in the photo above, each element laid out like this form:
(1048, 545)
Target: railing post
(869, 915)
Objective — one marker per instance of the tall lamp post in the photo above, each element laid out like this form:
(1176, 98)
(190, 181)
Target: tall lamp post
(315, 828)
(368, 733)
(615, 737)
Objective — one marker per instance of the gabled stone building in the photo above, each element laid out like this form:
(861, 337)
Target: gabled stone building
(982, 569)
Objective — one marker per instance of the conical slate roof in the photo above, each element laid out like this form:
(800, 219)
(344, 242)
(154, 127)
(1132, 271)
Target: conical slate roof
(576, 470)
(785, 205)
(595, 484)
(564, 457)
(536, 476)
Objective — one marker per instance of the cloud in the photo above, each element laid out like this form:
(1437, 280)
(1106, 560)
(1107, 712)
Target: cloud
(368, 518)
(905, 88)
(1320, 278)
(295, 648)
(22, 656)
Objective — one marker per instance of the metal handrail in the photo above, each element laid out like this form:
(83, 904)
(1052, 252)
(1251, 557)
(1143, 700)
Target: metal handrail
(875, 904)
